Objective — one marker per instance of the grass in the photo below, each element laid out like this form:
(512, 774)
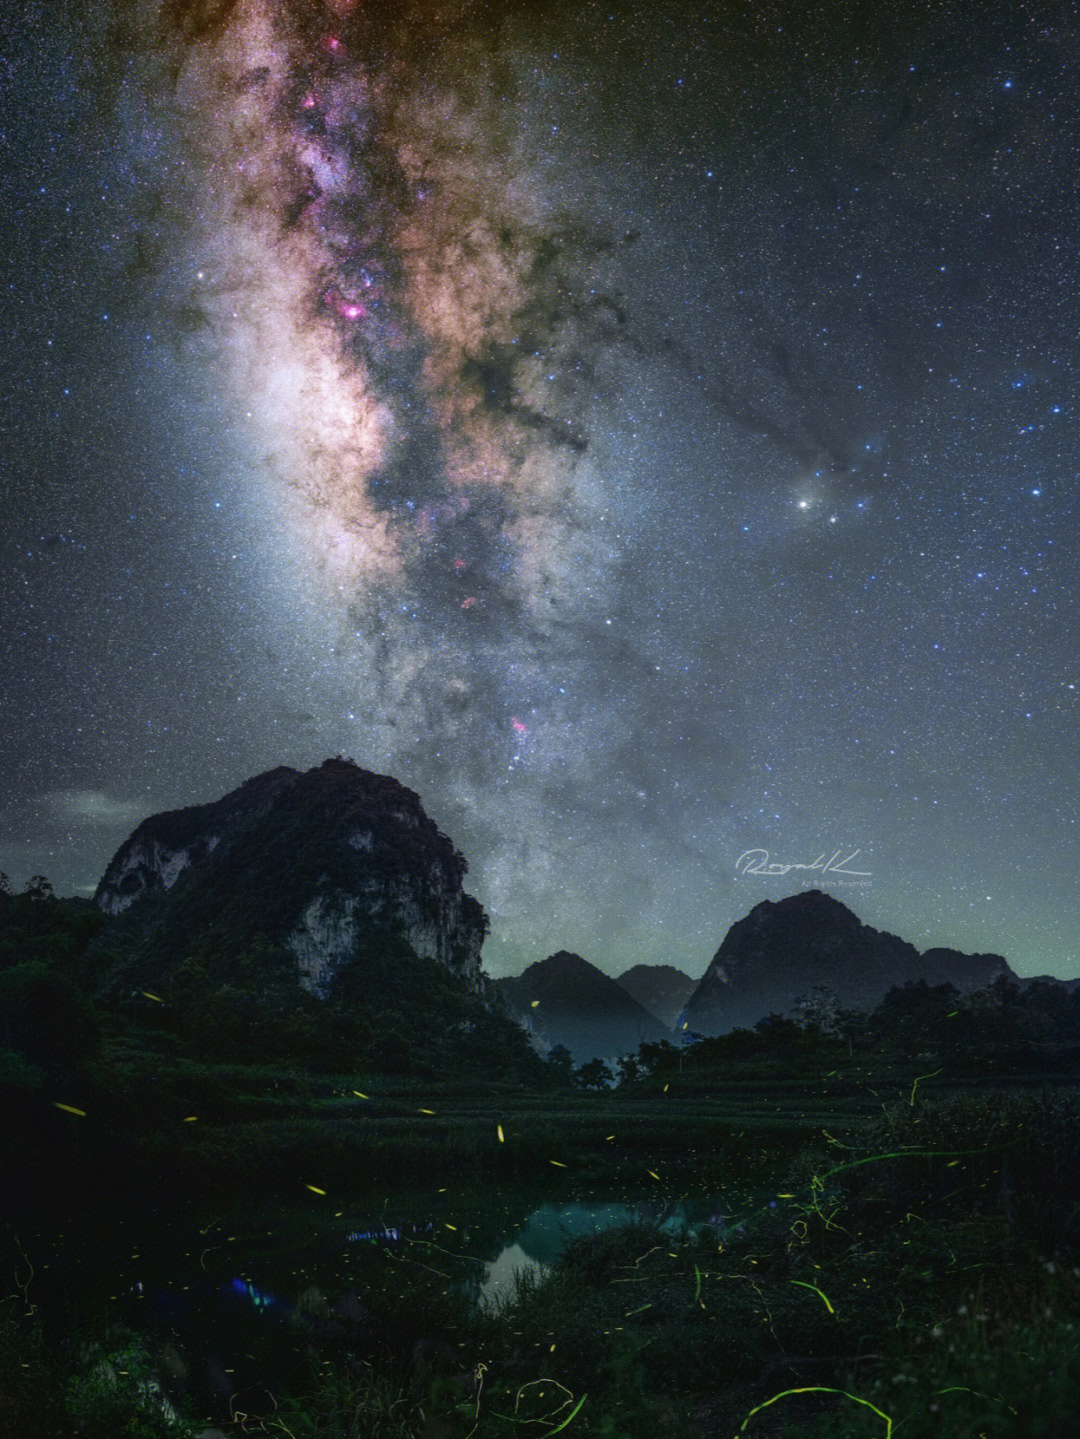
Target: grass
(909, 1293)
(80, 1386)
(916, 1273)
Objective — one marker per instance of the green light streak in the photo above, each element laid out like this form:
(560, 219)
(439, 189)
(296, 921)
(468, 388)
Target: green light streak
(915, 1086)
(570, 1416)
(824, 1297)
(819, 1389)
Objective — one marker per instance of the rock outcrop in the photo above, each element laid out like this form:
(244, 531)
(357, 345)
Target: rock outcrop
(786, 948)
(314, 861)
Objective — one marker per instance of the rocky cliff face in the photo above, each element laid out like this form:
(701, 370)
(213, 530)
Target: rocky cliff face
(154, 857)
(315, 861)
(782, 950)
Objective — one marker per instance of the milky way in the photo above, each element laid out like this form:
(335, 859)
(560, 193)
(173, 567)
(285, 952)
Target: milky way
(647, 435)
(428, 331)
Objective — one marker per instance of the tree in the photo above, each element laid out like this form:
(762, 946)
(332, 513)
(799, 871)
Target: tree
(658, 1057)
(594, 1075)
(561, 1061)
(818, 1009)
(44, 1016)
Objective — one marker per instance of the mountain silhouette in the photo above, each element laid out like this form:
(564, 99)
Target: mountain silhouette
(566, 1000)
(785, 948)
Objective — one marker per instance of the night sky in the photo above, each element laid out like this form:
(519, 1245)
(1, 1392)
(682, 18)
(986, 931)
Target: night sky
(650, 432)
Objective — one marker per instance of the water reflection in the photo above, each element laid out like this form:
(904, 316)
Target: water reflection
(258, 1298)
(500, 1276)
(548, 1230)
(254, 1300)
(390, 1233)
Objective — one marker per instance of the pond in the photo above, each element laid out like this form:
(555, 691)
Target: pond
(217, 1300)
(547, 1231)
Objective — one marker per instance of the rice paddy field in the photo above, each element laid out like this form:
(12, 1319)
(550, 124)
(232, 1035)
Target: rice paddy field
(848, 1251)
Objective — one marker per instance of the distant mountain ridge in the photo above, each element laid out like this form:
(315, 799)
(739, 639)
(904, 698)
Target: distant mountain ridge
(566, 1000)
(1068, 985)
(785, 948)
(660, 988)
(318, 864)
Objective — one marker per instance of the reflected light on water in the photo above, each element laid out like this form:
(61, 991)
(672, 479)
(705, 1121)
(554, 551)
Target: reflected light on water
(497, 1286)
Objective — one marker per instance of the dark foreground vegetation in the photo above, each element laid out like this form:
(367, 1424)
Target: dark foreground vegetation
(897, 1250)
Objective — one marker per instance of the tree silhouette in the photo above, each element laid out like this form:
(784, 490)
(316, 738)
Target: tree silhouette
(561, 1060)
(594, 1075)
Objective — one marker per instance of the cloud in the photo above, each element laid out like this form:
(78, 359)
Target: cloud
(94, 808)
